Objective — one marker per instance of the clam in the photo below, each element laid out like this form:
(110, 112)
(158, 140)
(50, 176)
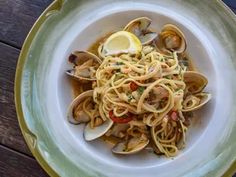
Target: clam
(76, 116)
(171, 39)
(96, 132)
(195, 81)
(134, 145)
(85, 65)
(194, 102)
(139, 27)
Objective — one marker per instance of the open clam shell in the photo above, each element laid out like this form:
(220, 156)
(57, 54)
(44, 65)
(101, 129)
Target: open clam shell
(171, 39)
(82, 117)
(96, 132)
(79, 57)
(84, 77)
(195, 81)
(195, 102)
(123, 148)
(139, 27)
(84, 64)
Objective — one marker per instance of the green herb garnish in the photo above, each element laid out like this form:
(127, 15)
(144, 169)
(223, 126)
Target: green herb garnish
(141, 90)
(119, 63)
(167, 77)
(130, 97)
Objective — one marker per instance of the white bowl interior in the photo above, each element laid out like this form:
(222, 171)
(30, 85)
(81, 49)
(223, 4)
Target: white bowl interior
(83, 38)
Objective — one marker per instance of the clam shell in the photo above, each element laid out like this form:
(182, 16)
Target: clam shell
(204, 98)
(78, 58)
(75, 103)
(171, 29)
(147, 38)
(139, 27)
(195, 81)
(119, 148)
(72, 74)
(96, 132)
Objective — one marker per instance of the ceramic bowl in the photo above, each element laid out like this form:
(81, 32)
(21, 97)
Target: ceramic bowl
(43, 91)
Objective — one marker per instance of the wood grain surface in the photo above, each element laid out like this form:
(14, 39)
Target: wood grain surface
(16, 19)
(15, 164)
(10, 134)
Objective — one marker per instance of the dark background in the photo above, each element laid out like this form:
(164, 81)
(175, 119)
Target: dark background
(16, 19)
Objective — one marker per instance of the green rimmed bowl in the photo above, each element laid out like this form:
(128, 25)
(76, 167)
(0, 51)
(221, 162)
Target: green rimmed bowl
(43, 92)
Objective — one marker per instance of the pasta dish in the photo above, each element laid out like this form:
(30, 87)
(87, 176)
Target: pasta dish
(142, 91)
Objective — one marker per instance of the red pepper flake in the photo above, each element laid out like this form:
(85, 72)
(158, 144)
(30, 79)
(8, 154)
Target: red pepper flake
(121, 120)
(133, 86)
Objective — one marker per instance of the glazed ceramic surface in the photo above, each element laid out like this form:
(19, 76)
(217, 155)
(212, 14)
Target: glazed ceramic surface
(43, 91)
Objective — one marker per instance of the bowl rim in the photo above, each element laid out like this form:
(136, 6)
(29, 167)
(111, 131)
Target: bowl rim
(29, 137)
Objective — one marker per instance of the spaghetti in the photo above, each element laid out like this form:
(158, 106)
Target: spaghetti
(140, 100)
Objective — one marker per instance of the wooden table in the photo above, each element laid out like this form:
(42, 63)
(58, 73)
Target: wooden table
(16, 19)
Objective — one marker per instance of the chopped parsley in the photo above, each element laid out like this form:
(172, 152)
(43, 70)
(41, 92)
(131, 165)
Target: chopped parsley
(167, 77)
(119, 63)
(178, 89)
(141, 90)
(130, 97)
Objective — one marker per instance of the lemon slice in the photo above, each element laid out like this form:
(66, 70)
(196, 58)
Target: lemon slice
(122, 42)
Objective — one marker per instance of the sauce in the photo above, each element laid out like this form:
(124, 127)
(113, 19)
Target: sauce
(79, 87)
(191, 66)
(94, 47)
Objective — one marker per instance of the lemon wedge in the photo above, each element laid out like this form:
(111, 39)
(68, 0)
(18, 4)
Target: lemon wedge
(121, 42)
